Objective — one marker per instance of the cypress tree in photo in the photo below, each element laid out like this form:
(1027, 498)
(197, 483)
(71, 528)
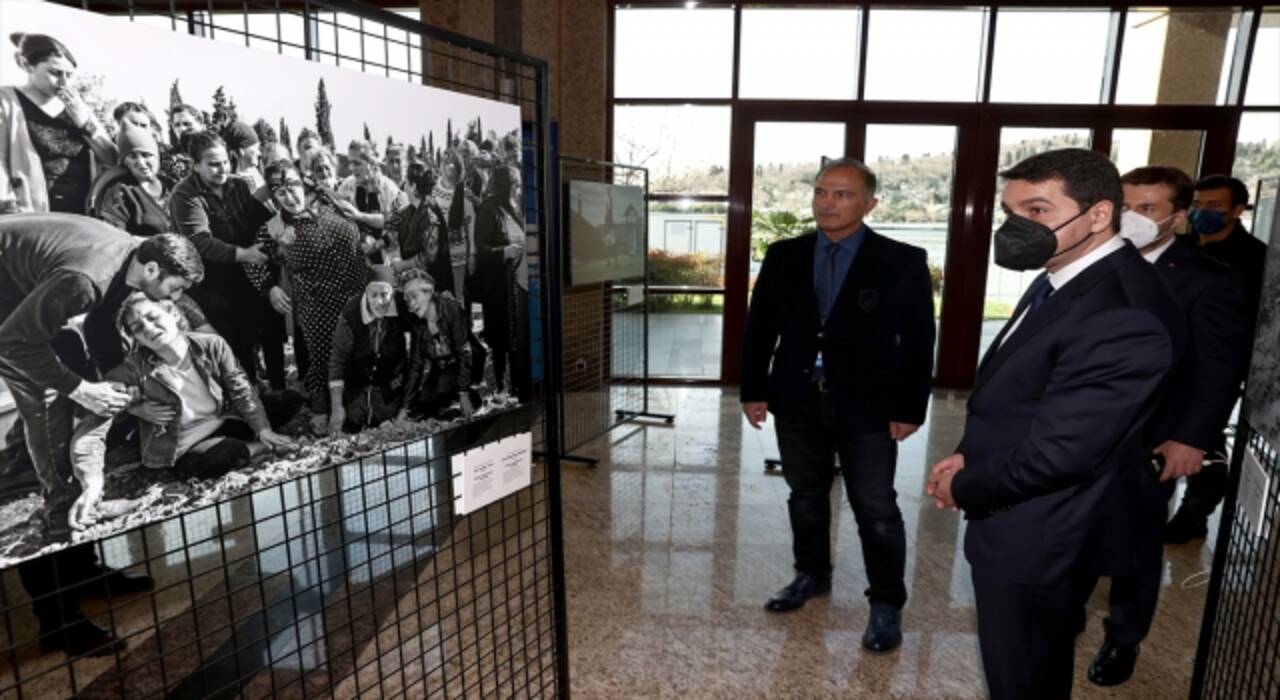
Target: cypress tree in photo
(323, 110)
(285, 137)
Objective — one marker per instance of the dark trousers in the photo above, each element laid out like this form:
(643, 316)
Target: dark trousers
(54, 582)
(1205, 491)
(1026, 637)
(224, 451)
(1134, 597)
(808, 444)
(439, 391)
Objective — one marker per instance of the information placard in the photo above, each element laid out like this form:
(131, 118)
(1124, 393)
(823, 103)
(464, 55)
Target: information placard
(492, 472)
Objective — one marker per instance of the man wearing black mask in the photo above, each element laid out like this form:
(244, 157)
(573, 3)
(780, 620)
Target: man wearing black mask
(1044, 472)
(1216, 231)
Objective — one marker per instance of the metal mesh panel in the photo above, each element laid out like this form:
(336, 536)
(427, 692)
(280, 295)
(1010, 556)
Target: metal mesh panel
(1244, 657)
(357, 580)
(606, 369)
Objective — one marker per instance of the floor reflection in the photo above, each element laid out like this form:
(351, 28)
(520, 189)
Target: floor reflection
(679, 536)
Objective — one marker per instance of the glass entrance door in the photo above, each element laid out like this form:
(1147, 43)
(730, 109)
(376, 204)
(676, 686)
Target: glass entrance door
(915, 167)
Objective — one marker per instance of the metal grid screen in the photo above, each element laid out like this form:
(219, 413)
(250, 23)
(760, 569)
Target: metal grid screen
(1244, 655)
(356, 580)
(605, 324)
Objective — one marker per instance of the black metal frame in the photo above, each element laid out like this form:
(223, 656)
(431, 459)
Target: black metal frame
(501, 65)
(620, 417)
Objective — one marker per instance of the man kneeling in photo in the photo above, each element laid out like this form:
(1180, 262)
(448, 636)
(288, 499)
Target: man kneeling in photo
(182, 383)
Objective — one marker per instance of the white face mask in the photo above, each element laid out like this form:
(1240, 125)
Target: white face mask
(1139, 229)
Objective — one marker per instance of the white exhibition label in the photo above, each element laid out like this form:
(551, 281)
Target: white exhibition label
(1255, 483)
(492, 472)
(635, 294)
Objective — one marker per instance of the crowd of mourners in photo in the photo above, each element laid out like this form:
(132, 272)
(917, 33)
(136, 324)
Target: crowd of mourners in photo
(368, 265)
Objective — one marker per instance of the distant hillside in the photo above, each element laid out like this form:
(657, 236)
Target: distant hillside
(916, 189)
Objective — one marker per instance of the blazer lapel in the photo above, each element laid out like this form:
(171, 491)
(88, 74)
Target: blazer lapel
(803, 269)
(1050, 310)
(1017, 311)
(1056, 305)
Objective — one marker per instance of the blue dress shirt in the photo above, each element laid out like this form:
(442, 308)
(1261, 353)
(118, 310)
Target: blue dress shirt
(831, 262)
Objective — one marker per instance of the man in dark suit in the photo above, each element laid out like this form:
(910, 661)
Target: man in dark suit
(1202, 391)
(839, 347)
(1216, 231)
(1045, 471)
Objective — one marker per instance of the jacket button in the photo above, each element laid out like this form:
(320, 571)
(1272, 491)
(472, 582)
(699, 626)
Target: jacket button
(819, 335)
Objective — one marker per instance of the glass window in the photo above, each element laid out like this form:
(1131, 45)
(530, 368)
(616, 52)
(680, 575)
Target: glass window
(1257, 150)
(686, 249)
(788, 156)
(685, 148)
(1175, 56)
(673, 52)
(1134, 148)
(799, 53)
(1264, 69)
(1005, 287)
(895, 69)
(914, 166)
(1051, 56)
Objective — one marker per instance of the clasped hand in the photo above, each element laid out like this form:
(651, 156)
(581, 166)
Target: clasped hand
(940, 478)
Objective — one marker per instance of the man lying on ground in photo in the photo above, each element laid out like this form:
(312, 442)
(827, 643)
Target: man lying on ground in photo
(368, 357)
(183, 384)
(440, 358)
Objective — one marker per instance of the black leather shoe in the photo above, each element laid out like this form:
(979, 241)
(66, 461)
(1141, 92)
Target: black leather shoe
(797, 592)
(82, 638)
(1114, 663)
(117, 582)
(884, 629)
(1183, 528)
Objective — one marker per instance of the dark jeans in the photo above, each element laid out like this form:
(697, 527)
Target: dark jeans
(438, 392)
(224, 451)
(1133, 598)
(808, 444)
(1026, 637)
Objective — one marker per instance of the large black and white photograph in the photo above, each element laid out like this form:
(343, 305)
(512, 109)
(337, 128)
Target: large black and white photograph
(1262, 393)
(221, 268)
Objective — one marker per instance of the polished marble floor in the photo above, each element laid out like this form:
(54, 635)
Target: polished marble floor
(677, 538)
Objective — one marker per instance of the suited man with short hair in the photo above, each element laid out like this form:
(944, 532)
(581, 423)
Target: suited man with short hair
(1202, 393)
(1058, 419)
(839, 347)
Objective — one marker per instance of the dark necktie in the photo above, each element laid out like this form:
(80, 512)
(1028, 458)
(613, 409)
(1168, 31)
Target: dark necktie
(825, 302)
(829, 284)
(1038, 293)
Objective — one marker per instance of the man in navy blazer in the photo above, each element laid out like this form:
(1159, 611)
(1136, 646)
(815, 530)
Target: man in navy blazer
(839, 347)
(1058, 419)
(1202, 393)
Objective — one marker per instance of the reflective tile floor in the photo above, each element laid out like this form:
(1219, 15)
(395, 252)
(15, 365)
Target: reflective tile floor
(677, 538)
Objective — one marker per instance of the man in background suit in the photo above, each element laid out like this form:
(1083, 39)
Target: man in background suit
(1202, 391)
(1216, 231)
(839, 347)
(1045, 471)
